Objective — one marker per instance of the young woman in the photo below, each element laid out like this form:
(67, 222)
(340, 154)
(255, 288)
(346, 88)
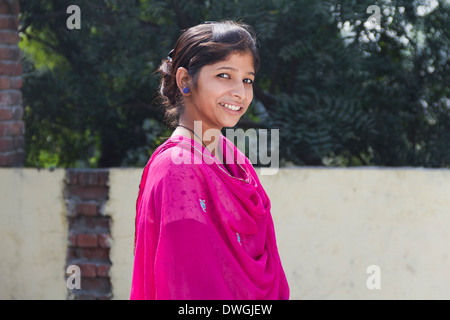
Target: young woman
(203, 223)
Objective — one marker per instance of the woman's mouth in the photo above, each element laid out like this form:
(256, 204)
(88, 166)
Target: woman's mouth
(231, 107)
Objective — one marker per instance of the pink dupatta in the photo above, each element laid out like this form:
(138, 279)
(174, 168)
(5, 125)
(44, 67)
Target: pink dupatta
(204, 229)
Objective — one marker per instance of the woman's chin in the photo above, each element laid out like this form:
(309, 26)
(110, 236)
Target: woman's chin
(231, 123)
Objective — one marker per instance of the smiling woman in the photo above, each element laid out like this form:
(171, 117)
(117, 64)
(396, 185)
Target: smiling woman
(221, 94)
(204, 229)
(214, 57)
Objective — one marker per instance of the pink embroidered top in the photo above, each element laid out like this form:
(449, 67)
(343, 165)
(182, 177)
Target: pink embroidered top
(204, 229)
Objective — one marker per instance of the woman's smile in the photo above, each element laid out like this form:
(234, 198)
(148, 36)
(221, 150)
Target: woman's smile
(232, 107)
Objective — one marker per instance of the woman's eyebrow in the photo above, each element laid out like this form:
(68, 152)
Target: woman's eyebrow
(235, 70)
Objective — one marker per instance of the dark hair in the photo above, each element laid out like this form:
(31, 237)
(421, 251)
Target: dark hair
(198, 46)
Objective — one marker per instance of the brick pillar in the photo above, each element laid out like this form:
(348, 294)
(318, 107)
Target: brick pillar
(12, 128)
(86, 193)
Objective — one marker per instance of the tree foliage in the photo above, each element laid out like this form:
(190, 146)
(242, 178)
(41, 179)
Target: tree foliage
(341, 91)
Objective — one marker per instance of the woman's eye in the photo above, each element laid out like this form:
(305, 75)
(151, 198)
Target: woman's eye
(227, 76)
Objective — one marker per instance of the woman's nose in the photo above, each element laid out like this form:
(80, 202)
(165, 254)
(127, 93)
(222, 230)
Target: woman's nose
(238, 91)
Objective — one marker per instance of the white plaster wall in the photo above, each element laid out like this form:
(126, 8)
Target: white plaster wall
(123, 192)
(331, 224)
(33, 234)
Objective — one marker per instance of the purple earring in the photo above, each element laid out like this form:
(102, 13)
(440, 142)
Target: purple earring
(186, 90)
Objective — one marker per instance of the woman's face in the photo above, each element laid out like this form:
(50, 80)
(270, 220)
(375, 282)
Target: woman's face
(223, 93)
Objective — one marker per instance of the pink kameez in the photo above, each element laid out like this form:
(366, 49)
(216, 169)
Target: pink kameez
(204, 229)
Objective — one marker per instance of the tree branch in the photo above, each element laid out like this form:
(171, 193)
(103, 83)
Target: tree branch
(51, 46)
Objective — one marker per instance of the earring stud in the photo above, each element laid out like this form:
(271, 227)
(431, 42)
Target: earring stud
(186, 90)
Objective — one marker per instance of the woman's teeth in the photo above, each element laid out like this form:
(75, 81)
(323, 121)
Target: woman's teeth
(230, 106)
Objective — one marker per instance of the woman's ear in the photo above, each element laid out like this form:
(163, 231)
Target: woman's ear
(183, 81)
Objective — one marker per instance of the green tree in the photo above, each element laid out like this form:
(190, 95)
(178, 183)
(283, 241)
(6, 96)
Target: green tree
(340, 92)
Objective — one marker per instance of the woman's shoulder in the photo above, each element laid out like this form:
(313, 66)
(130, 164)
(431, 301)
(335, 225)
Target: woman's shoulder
(174, 161)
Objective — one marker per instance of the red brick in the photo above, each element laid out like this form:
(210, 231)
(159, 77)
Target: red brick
(12, 158)
(99, 224)
(9, 7)
(9, 22)
(85, 224)
(16, 82)
(6, 113)
(19, 128)
(98, 284)
(89, 192)
(11, 113)
(6, 144)
(72, 253)
(86, 240)
(72, 240)
(10, 52)
(71, 177)
(19, 157)
(71, 221)
(17, 112)
(88, 270)
(10, 97)
(103, 178)
(104, 240)
(103, 270)
(93, 254)
(5, 83)
(4, 160)
(9, 37)
(87, 178)
(19, 142)
(81, 178)
(12, 128)
(11, 143)
(4, 8)
(10, 68)
(87, 209)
